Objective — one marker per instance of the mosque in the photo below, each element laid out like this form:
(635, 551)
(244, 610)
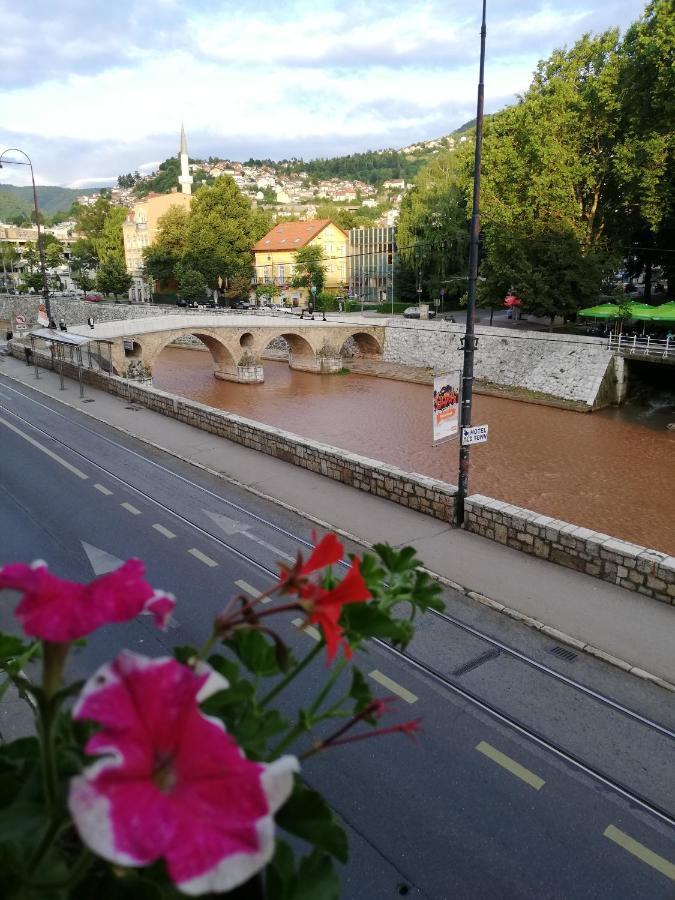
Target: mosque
(141, 226)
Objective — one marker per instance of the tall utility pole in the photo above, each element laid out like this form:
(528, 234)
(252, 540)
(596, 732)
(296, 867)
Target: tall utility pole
(41, 247)
(469, 334)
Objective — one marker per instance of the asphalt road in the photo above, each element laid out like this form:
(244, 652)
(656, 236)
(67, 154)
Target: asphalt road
(478, 808)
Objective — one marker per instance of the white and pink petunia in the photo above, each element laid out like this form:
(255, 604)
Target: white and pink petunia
(171, 783)
(56, 610)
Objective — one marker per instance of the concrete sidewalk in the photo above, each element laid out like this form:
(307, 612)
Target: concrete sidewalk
(637, 632)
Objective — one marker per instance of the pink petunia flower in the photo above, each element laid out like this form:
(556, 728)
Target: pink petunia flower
(172, 783)
(60, 611)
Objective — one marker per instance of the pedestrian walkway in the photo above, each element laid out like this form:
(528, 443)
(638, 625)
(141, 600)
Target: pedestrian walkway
(636, 630)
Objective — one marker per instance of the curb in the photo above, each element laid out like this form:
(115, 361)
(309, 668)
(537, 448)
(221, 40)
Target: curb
(514, 614)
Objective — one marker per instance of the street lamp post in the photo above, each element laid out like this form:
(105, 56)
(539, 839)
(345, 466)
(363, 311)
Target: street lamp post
(469, 333)
(41, 249)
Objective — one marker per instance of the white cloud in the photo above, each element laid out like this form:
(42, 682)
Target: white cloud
(299, 79)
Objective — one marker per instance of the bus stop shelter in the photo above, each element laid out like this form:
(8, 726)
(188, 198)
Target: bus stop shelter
(65, 346)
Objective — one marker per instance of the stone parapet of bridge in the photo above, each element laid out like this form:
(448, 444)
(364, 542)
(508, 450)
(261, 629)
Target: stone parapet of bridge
(237, 343)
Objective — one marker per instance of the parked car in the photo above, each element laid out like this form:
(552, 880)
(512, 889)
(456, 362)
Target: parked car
(413, 312)
(243, 304)
(94, 297)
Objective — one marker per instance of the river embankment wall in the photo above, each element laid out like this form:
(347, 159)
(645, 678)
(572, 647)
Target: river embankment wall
(75, 312)
(574, 369)
(646, 571)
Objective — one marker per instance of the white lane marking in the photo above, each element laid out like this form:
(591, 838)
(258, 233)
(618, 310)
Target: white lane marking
(131, 508)
(231, 526)
(644, 854)
(104, 490)
(309, 630)
(251, 591)
(101, 561)
(164, 531)
(393, 686)
(46, 450)
(202, 557)
(511, 765)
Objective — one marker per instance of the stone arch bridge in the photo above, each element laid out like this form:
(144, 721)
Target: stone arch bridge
(237, 342)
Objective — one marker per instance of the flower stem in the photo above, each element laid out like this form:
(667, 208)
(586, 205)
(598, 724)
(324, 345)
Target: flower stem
(278, 688)
(54, 658)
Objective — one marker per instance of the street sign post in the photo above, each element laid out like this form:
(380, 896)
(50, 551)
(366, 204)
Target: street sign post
(477, 434)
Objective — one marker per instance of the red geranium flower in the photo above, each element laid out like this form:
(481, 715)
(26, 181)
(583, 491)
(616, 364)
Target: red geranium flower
(60, 611)
(328, 551)
(325, 606)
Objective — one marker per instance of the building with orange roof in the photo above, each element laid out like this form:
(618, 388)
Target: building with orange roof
(275, 255)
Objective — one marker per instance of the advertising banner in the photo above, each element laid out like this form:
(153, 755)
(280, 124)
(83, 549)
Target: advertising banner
(446, 406)
(42, 315)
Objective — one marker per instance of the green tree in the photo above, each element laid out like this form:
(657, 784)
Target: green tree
(192, 284)
(54, 254)
(31, 256)
(237, 288)
(644, 155)
(310, 270)
(112, 277)
(267, 293)
(221, 232)
(166, 253)
(101, 223)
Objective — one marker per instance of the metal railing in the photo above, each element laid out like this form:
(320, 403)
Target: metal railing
(626, 345)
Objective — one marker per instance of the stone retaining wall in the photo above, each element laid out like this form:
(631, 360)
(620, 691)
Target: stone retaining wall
(574, 369)
(636, 568)
(419, 492)
(76, 312)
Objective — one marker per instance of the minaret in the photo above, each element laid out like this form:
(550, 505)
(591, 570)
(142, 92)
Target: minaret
(185, 179)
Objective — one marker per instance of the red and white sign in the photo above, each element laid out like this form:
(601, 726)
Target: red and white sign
(446, 406)
(19, 321)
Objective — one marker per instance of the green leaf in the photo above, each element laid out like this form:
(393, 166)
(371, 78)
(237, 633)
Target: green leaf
(317, 879)
(22, 820)
(184, 653)
(255, 651)
(365, 620)
(280, 873)
(360, 690)
(307, 815)
(11, 647)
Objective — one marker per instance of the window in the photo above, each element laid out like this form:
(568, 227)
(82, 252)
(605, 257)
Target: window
(329, 247)
(281, 272)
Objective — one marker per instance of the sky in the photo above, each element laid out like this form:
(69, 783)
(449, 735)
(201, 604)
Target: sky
(95, 89)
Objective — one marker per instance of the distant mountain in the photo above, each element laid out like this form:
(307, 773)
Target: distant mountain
(15, 201)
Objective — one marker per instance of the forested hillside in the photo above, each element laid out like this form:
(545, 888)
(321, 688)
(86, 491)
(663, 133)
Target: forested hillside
(18, 201)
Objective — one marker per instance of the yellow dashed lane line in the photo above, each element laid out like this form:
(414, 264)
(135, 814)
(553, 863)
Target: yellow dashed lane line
(202, 557)
(644, 854)
(511, 765)
(393, 686)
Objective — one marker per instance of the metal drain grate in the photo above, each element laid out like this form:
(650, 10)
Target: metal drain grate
(563, 653)
(477, 661)
(133, 408)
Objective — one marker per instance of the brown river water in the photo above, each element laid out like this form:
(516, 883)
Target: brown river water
(612, 471)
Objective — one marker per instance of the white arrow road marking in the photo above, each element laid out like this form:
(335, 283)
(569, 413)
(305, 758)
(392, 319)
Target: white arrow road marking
(103, 562)
(231, 526)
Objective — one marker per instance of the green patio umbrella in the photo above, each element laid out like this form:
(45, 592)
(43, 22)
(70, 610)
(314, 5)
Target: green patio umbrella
(603, 311)
(641, 310)
(663, 313)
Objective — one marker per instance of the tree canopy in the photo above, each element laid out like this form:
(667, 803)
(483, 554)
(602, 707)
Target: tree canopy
(577, 176)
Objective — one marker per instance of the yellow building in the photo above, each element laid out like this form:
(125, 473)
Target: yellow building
(275, 255)
(140, 228)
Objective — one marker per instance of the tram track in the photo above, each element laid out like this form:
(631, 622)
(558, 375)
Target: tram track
(452, 685)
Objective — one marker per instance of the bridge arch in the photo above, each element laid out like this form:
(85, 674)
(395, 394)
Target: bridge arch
(367, 344)
(224, 361)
